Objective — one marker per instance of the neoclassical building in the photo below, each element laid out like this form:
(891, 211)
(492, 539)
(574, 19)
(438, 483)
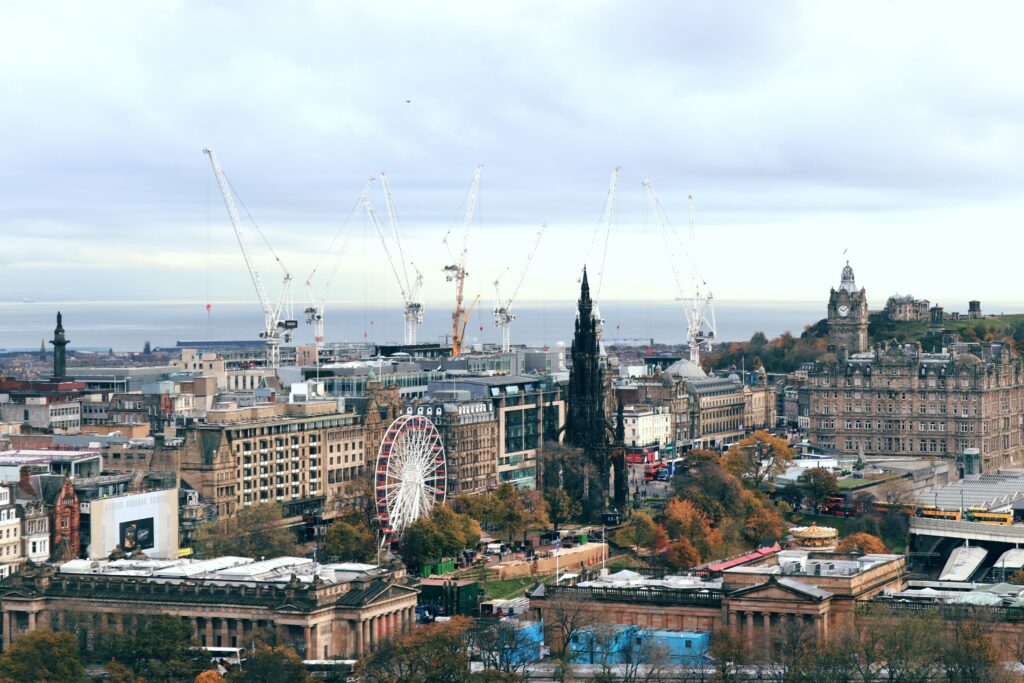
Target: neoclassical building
(323, 611)
(758, 597)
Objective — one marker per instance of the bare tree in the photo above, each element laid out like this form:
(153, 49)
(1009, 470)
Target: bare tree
(728, 655)
(895, 491)
(566, 615)
(503, 645)
(643, 659)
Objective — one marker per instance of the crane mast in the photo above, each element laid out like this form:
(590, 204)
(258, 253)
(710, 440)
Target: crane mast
(457, 271)
(605, 225)
(413, 305)
(317, 304)
(277, 316)
(698, 307)
(503, 315)
(410, 304)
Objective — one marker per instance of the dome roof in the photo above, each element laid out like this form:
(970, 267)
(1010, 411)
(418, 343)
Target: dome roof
(686, 369)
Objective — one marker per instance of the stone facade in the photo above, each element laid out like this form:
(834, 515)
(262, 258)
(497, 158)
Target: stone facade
(469, 432)
(757, 602)
(10, 532)
(664, 390)
(321, 619)
(907, 309)
(717, 411)
(273, 452)
(900, 400)
(65, 521)
(847, 316)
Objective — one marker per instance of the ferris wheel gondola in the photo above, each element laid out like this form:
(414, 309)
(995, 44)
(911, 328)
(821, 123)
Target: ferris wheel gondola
(411, 474)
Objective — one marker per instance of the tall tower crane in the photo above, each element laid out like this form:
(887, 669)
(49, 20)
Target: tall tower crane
(413, 308)
(698, 306)
(503, 315)
(315, 310)
(457, 271)
(277, 315)
(410, 289)
(605, 227)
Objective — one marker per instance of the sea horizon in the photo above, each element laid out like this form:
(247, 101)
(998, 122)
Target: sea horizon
(128, 325)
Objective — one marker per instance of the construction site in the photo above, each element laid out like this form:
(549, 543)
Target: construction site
(281, 318)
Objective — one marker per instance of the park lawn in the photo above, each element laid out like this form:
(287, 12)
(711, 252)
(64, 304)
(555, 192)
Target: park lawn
(513, 588)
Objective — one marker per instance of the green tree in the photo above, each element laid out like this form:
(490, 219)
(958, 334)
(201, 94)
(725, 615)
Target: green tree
(818, 485)
(349, 543)
(507, 512)
(561, 507)
(159, 651)
(758, 458)
(42, 656)
(641, 532)
(268, 664)
(255, 531)
(442, 533)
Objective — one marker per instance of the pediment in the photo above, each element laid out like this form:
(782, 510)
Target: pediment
(773, 589)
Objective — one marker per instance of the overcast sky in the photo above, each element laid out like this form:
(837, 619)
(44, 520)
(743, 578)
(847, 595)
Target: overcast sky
(892, 130)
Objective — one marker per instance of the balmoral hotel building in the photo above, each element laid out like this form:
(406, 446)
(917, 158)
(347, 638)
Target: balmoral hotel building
(897, 399)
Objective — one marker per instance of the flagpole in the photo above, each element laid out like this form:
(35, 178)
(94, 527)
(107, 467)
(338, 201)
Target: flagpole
(558, 546)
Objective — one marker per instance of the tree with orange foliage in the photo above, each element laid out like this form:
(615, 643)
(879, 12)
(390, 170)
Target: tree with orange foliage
(685, 521)
(758, 458)
(210, 676)
(862, 542)
(764, 523)
(642, 532)
(437, 652)
(681, 555)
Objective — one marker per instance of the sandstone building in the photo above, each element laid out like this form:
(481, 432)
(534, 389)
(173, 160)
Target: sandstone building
(897, 399)
(323, 611)
(291, 453)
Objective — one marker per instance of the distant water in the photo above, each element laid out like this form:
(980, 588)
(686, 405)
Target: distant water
(128, 326)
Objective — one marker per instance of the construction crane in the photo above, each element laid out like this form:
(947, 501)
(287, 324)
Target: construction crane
(457, 271)
(604, 226)
(315, 310)
(413, 308)
(503, 315)
(278, 319)
(698, 306)
(410, 290)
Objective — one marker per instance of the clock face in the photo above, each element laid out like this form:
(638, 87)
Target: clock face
(844, 311)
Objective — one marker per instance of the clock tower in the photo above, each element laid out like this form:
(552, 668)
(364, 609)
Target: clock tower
(847, 317)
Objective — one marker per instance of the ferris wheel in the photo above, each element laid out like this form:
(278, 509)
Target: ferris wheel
(411, 473)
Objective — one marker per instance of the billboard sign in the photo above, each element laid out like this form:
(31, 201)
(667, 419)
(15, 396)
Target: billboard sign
(146, 522)
(136, 535)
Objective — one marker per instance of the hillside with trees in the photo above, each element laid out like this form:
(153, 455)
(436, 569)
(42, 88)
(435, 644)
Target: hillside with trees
(787, 353)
